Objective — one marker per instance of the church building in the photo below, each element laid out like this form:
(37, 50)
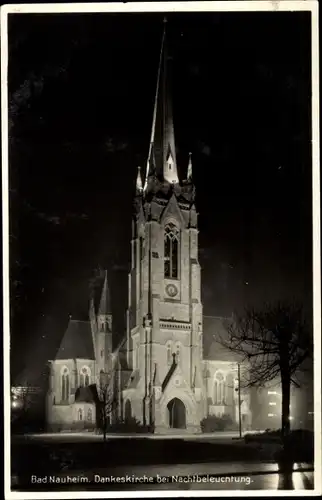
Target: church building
(169, 372)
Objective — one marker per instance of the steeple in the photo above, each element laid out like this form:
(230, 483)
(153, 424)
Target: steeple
(162, 163)
(105, 302)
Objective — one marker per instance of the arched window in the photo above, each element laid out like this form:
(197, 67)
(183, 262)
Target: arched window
(65, 384)
(171, 251)
(84, 377)
(89, 415)
(169, 354)
(80, 414)
(219, 389)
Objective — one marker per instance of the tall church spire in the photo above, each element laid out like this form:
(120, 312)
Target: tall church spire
(162, 154)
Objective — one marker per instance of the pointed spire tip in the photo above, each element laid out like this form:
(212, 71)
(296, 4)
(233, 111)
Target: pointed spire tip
(105, 302)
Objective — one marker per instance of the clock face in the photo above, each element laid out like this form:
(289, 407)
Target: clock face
(171, 290)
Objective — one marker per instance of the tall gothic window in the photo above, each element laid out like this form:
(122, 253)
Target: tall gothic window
(84, 377)
(171, 251)
(65, 385)
(219, 389)
(80, 414)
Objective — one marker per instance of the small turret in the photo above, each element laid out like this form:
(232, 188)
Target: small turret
(139, 186)
(104, 342)
(105, 311)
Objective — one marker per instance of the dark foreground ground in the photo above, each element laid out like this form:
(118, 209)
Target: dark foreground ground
(38, 465)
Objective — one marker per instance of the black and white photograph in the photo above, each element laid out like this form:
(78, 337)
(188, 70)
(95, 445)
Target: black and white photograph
(161, 215)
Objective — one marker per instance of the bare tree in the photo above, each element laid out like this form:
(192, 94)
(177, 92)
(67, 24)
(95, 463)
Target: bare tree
(107, 398)
(275, 341)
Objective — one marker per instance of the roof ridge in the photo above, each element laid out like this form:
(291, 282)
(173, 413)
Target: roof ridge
(216, 317)
(79, 320)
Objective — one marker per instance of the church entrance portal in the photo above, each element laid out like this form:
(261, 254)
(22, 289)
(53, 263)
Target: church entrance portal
(177, 414)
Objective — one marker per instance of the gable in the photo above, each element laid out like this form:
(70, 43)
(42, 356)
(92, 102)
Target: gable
(77, 342)
(172, 211)
(174, 377)
(213, 331)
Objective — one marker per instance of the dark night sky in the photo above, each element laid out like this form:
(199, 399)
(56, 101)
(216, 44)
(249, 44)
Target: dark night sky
(81, 91)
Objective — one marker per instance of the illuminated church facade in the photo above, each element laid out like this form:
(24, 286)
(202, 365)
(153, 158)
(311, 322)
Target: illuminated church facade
(169, 372)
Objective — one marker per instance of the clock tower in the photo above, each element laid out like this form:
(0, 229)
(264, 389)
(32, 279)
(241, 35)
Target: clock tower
(164, 317)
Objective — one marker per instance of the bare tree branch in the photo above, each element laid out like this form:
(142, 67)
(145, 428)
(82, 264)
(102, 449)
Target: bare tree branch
(274, 342)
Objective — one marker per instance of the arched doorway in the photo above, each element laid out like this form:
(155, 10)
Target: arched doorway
(177, 414)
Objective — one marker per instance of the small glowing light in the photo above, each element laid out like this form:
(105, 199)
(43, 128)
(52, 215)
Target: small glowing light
(290, 418)
(272, 393)
(14, 404)
(272, 403)
(271, 414)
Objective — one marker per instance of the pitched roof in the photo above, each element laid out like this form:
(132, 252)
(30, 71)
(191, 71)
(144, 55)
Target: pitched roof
(86, 394)
(77, 341)
(213, 332)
